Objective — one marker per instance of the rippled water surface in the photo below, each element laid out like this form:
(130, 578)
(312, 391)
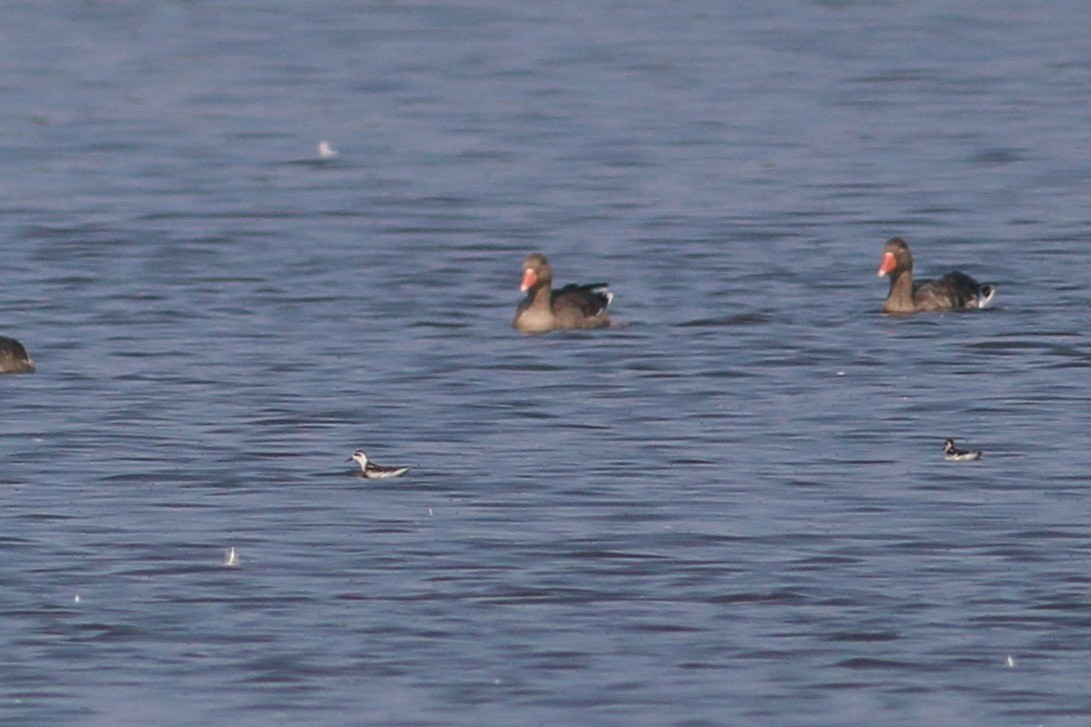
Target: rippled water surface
(731, 509)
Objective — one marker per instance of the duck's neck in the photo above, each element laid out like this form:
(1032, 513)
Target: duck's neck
(535, 313)
(900, 297)
(541, 297)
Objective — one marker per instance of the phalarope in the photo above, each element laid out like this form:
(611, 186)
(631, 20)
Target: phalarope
(371, 471)
(951, 453)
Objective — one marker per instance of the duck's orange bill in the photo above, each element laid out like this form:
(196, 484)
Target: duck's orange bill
(529, 280)
(888, 264)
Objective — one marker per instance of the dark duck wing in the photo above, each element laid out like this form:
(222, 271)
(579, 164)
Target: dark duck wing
(954, 291)
(14, 358)
(582, 303)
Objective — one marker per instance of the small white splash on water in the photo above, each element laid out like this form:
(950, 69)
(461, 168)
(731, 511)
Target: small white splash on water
(840, 373)
(1010, 662)
(325, 151)
(76, 599)
(231, 558)
(429, 512)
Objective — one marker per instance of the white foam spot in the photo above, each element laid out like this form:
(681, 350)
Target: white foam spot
(231, 558)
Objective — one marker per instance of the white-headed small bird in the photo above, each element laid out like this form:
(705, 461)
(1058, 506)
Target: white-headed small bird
(953, 454)
(371, 471)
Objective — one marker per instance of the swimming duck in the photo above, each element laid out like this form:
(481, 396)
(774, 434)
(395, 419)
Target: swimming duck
(954, 291)
(951, 453)
(14, 358)
(573, 306)
(371, 471)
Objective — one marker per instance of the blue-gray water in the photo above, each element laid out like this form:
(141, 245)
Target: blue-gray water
(732, 510)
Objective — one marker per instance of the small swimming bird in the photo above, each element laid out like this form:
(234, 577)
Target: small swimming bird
(573, 306)
(371, 471)
(325, 151)
(954, 291)
(951, 453)
(14, 358)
